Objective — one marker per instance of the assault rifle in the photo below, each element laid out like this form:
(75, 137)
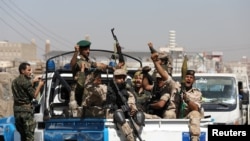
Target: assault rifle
(118, 47)
(126, 109)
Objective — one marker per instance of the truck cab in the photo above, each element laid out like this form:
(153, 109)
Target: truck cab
(221, 98)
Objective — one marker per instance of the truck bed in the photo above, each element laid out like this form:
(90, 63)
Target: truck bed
(76, 129)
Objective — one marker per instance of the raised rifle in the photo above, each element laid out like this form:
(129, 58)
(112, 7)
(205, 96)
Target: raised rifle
(126, 109)
(183, 73)
(152, 50)
(183, 88)
(118, 47)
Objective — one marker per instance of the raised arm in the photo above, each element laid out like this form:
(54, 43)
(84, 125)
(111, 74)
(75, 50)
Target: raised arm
(74, 57)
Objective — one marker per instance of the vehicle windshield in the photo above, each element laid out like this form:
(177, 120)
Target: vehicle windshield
(217, 89)
(218, 93)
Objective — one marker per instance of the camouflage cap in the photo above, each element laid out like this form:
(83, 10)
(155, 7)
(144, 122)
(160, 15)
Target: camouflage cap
(190, 72)
(139, 72)
(120, 72)
(157, 74)
(163, 55)
(84, 44)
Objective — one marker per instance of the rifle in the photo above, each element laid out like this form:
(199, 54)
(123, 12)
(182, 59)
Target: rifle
(118, 47)
(152, 50)
(126, 109)
(183, 75)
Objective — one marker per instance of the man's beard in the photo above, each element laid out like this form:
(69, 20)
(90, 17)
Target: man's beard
(121, 86)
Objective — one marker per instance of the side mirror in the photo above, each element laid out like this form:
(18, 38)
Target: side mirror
(245, 96)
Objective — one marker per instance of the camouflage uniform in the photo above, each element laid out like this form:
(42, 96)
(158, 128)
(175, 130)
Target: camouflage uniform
(82, 78)
(23, 93)
(116, 103)
(168, 93)
(96, 96)
(195, 116)
(193, 95)
(142, 96)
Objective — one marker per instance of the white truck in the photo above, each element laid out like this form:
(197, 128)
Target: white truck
(56, 122)
(221, 98)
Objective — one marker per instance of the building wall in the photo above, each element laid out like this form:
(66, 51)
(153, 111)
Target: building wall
(11, 51)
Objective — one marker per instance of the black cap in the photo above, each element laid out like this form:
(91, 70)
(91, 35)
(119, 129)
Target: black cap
(190, 72)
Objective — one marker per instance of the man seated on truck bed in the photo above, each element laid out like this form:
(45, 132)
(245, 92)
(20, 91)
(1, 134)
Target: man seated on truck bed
(164, 102)
(191, 105)
(95, 97)
(122, 104)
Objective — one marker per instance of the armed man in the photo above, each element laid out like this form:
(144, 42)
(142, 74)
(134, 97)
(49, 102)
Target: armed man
(165, 100)
(122, 105)
(191, 106)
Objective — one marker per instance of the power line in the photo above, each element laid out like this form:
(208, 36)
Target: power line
(34, 26)
(40, 25)
(27, 29)
(19, 33)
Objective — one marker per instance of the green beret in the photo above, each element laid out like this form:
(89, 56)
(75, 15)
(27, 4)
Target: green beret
(84, 44)
(190, 72)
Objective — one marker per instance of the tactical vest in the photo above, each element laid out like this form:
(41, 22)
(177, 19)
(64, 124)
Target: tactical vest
(156, 96)
(113, 99)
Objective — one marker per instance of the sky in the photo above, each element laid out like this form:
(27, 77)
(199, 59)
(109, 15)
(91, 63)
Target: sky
(200, 26)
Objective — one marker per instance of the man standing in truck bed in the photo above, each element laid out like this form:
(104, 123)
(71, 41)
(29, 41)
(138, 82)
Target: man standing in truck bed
(82, 67)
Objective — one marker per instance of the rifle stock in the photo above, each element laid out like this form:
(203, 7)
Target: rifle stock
(126, 109)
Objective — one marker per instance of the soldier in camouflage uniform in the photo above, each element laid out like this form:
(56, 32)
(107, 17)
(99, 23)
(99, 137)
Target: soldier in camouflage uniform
(23, 93)
(142, 96)
(82, 67)
(116, 104)
(96, 96)
(165, 100)
(191, 107)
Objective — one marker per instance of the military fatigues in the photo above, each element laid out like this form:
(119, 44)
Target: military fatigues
(118, 111)
(23, 93)
(195, 96)
(168, 93)
(116, 107)
(142, 96)
(93, 103)
(82, 78)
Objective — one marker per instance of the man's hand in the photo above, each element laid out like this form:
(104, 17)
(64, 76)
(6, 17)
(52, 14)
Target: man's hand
(186, 98)
(150, 44)
(145, 69)
(82, 66)
(76, 48)
(37, 78)
(154, 56)
(132, 111)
